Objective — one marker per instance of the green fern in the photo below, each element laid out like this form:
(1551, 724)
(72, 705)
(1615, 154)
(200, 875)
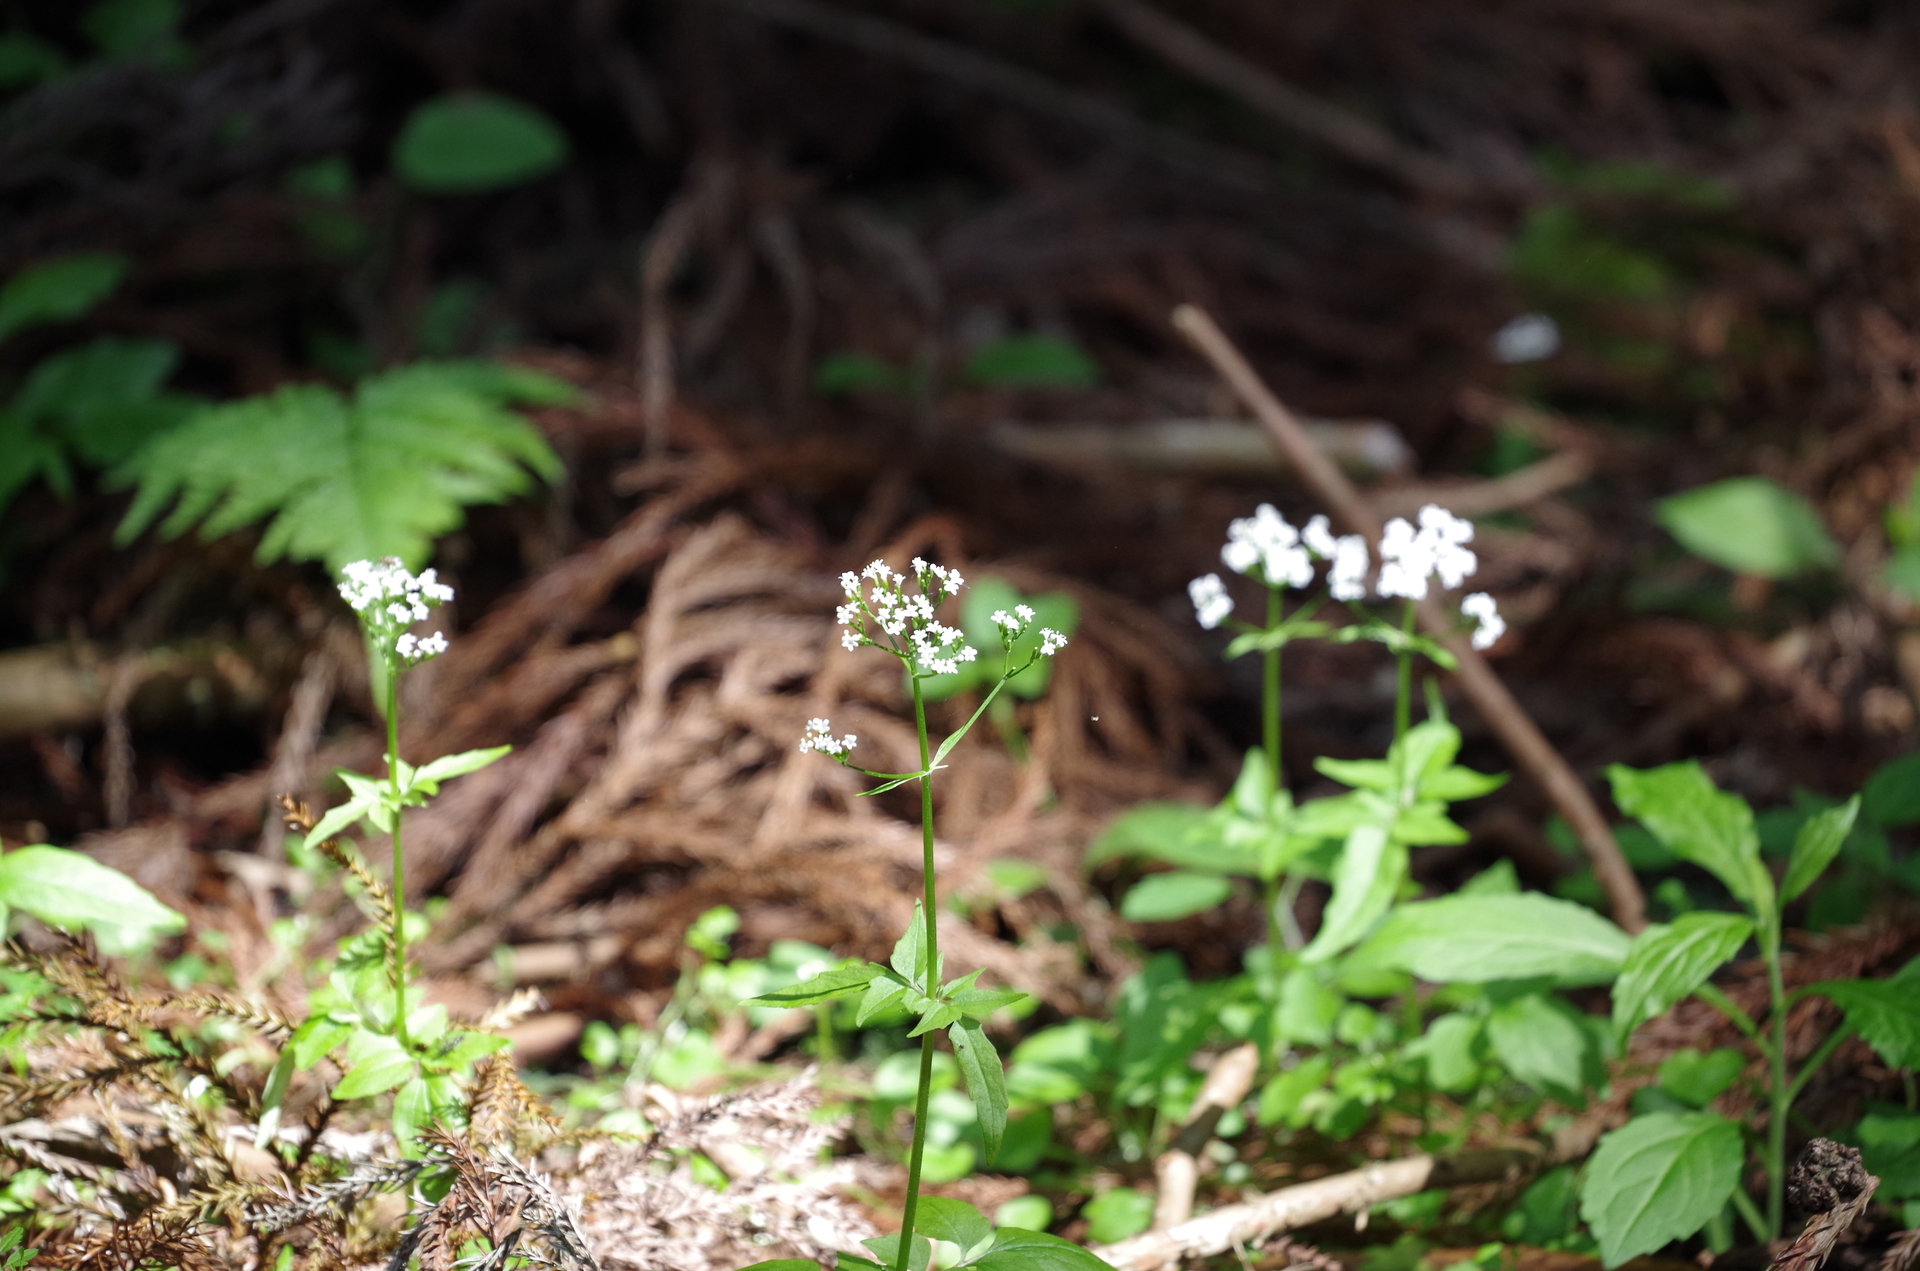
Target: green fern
(382, 473)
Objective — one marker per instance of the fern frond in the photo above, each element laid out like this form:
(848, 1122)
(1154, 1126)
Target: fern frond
(381, 474)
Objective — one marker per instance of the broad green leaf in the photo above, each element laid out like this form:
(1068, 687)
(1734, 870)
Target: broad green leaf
(1700, 823)
(1750, 525)
(887, 1250)
(910, 951)
(1890, 1149)
(1657, 1179)
(1173, 895)
(384, 473)
(986, 1080)
(1667, 963)
(1479, 939)
(466, 143)
(1177, 833)
(954, 1221)
(1539, 1042)
(1018, 1250)
(272, 1096)
(1814, 848)
(315, 1039)
(1365, 881)
(70, 889)
(1117, 1213)
(375, 1063)
(1450, 1046)
(459, 765)
(1306, 1008)
(823, 987)
(412, 1109)
(1891, 796)
(1697, 1078)
(1885, 1012)
(56, 290)
(937, 1016)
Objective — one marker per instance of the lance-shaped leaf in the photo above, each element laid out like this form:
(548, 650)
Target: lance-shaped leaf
(824, 987)
(1814, 848)
(1369, 873)
(884, 993)
(1667, 963)
(1477, 939)
(272, 1097)
(986, 1080)
(910, 952)
(429, 776)
(69, 889)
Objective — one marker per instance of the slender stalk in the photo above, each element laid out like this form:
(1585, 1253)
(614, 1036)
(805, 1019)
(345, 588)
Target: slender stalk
(1816, 1059)
(1270, 701)
(1744, 1206)
(399, 868)
(931, 969)
(1403, 690)
(1779, 1088)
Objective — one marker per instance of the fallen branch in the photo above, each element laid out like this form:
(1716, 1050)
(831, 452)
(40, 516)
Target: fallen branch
(1248, 1223)
(1177, 1171)
(1523, 739)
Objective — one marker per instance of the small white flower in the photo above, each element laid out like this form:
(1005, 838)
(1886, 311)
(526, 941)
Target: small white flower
(1406, 561)
(820, 737)
(1211, 603)
(1447, 536)
(406, 645)
(1347, 577)
(1006, 622)
(1267, 540)
(1480, 607)
(1319, 538)
(1051, 642)
(941, 649)
(433, 645)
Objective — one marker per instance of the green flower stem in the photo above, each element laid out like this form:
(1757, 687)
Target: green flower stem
(931, 970)
(1403, 692)
(1780, 1090)
(399, 868)
(1744, 1206)
(1270, 731)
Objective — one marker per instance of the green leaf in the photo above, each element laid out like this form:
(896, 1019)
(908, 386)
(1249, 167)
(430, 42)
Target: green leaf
(1478, 939)
(1657, 1179)
(1283, 1099)
(1667, 963)
(1306, 1008)
(382, 474)
(103, 398)
(1814, 848)
(340, 817)
(459, 765)
(460, 1049)
(70, 889)
(1115, 1214)
(1182, 834)
(375, 1062)
(1540, 1043)
(412, 1109)
(467, 143)
(887, 1250)
(980, 1003)
(785, 1264)
(824, 987)
(1885, 1012)
(954, 1221)
(1751, 526)
(986, 1080)
(315, 1039)
(272, 1096)
(1451, 1048)
(27, 59)
(1698, 1079)
(1033, 361)
(851, 372)
(56, 290)
(1361, 774)
(909, 956)
(937, 1015)
(1890, 1149)
(123, 28)
(1365, 881)
(884, 994)
(1698, 822)
(1018, 1250)
(1891, 796)
(1174, 895)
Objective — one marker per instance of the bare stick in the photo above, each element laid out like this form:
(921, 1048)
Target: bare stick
(1523, 739)
(1178, 1168)
(1352, 137)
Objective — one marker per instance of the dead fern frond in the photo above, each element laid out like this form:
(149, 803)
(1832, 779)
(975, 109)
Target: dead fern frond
(300, 819)
(502, 1108)
(340, 1195)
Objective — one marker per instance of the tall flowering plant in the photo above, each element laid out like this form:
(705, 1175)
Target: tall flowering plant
(369, 1009)
(898, 614)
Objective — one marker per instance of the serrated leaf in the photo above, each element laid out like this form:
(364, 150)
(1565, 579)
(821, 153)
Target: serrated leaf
(1479, 939)
(1370, 871)
(1539, 1043)
(1814, 848)
(1659, 1178)
(1667, 963)
(986, 1080)
(823, 987)
(376, 1063)
(954, 1221)
(70, 889)
(1698, 822)
(383, 474)
(1173, 895)
(56, 290)
(1885, 1012)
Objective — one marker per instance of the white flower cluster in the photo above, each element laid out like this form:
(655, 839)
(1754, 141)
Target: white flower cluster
(1211, 603)
(905, 621)
(389, 599)
(1346, 557)
(1408, 558)
(1015, 625)
(1479, 606)
(820, 737)
(1266, 539)
(1285, 557)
